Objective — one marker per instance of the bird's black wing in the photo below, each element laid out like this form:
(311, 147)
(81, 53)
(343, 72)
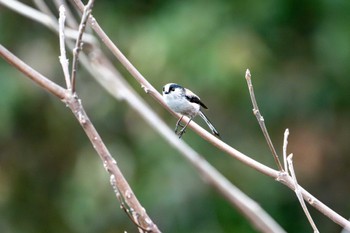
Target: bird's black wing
(194, 99)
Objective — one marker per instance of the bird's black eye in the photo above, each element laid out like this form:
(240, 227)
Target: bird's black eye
(163, 89)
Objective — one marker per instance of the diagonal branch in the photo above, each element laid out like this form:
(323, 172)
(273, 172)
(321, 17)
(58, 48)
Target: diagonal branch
(74, 103)
(143, 220)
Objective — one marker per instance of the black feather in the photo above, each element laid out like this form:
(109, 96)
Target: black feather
(195, 99)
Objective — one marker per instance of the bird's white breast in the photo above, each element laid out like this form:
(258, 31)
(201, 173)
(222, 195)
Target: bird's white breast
(179, 104)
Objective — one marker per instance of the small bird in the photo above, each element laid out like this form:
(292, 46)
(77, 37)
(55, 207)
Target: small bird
(186, 103)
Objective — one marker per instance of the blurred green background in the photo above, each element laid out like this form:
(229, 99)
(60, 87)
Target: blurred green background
(51, 179)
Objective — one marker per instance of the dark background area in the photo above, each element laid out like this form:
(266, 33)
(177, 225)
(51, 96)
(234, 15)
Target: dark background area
(51, 179)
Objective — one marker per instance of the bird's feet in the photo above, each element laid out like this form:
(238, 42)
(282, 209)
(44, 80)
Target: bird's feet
(177, 127)
(182, 131)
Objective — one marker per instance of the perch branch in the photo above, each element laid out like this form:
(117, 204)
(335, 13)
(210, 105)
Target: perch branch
(109, 78)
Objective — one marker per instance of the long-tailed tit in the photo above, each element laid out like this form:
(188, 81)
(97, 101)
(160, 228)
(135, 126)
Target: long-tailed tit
(186, 103)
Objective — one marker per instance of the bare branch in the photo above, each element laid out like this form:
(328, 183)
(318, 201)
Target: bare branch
(79, 43)
(261, 120)
(285, 144)
(71, 21)
(288, 165)
(298, 193)
(143, 220)
(63, 57)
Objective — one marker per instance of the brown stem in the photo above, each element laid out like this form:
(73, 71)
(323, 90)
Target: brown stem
(261, 120)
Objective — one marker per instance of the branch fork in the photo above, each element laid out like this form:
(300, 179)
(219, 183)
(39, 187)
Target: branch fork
(287, 173)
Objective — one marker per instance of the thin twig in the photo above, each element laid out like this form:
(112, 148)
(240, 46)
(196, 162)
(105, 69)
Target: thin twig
(124, 205)
(299, 194)
(79, 43)
(62, 57)
(71, 21)
(285, 144)
(261, 120)
(288, 165)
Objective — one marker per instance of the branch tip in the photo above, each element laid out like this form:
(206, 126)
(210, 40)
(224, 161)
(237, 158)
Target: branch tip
(62, 10)
(247, 73)
(260, 119)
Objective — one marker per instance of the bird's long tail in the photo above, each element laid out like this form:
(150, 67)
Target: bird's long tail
(212, 128)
